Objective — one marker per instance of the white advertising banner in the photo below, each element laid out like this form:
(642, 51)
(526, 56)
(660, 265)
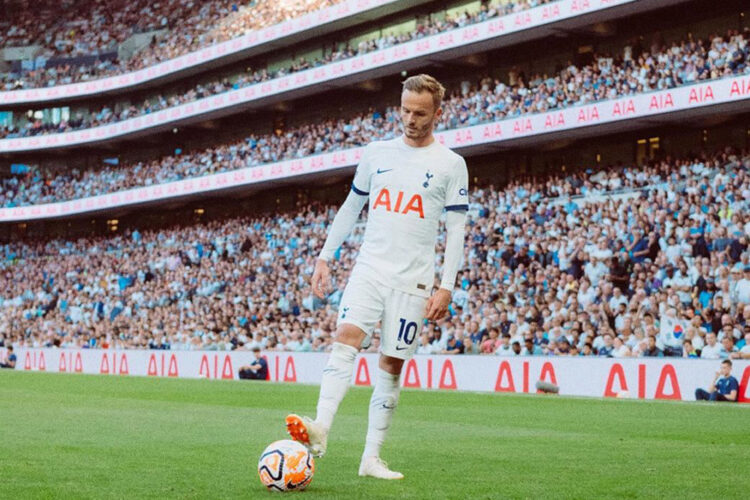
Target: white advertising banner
(642, 378)
(537, 16)
(589, 115)
(348, 8)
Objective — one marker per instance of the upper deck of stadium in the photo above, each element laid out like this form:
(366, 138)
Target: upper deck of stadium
(475, 124)
(64, 56)
(377, 55)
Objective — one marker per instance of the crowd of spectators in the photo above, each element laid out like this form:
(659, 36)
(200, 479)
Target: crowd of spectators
(85, 28)
(194, 25)
(638, 261)
(110, 114)
(71, 28)
(646, 261)
(638, 70)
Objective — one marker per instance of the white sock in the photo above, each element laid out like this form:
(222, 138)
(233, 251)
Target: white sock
(337, 376)
(382, 405)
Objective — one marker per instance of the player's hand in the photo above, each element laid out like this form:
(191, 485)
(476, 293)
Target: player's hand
(437, 305)
(321, 279)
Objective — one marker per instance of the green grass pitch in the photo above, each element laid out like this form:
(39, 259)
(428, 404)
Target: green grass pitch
(80, 436)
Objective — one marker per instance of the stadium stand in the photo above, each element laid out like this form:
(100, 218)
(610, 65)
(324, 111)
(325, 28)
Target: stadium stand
(190, 29)
(596, 262)
(115, 112)
(634, 70)
(648, 259)
(96, 29)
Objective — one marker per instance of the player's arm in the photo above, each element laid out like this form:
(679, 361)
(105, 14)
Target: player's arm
(342, 226)
(455, 226)
(437, 305)
(340, 229)
(455, 230)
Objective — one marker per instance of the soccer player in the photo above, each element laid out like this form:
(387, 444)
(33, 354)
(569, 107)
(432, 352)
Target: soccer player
(409, 181)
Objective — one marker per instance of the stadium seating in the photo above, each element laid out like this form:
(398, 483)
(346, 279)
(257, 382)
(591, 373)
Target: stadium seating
(84, 30)
(634, 71)
(341, 51)
(190, 30)
(556, 264)
(651, 259)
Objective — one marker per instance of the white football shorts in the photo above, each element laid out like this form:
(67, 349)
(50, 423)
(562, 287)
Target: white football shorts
(365, 302)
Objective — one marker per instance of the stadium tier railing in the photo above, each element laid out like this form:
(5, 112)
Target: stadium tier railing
(307, 26)
(641, 378)
(727, 95)
(495, 32)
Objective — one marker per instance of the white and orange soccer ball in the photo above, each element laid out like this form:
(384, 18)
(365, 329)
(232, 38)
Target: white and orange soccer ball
(286, 465)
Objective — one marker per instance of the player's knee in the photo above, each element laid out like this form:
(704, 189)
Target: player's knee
(391, 365)
(349, 335)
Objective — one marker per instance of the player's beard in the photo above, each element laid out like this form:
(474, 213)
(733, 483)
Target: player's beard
(419, 132)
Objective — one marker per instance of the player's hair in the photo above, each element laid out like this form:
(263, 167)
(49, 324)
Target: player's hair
(426, 83)
(726, 362)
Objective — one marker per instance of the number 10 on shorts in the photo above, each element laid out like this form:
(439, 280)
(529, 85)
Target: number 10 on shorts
(407, 331)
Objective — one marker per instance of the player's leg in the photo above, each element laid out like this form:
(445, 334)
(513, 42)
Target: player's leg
(337, 374)
(383, 403)
(382, 406)
(360, 309)
(402, 323)
(333, 387)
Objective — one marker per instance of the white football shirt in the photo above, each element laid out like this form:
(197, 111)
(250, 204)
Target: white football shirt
(408, 189)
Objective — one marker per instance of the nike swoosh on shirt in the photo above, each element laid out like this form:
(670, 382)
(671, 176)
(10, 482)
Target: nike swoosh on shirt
(401, 348)
(383, 171)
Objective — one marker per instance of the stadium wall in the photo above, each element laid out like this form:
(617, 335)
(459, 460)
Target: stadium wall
(642, 378)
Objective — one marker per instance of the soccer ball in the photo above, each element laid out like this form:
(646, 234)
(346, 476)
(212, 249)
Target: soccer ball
(286, 465)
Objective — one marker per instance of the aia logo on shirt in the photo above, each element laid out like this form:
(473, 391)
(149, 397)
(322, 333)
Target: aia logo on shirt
(383, 201)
